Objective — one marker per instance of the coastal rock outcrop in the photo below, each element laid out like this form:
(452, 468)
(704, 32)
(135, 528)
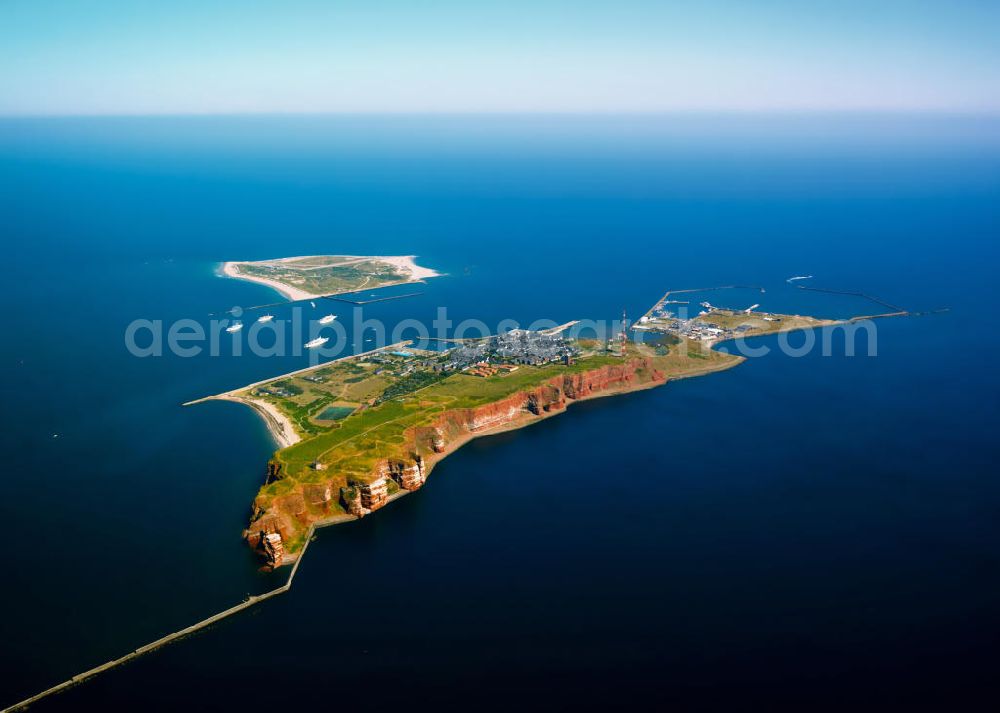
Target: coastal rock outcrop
(362, 497)
(266, 542)
(409, 475)
(272, 548)
(280, 519)
(350, 499)
(273, 472)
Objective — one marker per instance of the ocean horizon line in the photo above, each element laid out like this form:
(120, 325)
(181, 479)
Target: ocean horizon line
(928, 112)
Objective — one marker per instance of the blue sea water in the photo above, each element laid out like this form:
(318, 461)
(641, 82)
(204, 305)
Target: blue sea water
(796, 532)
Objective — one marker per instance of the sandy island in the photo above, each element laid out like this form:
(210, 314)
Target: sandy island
(404, 263)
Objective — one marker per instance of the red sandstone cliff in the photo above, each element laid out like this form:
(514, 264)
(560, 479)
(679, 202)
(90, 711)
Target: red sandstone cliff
(289, 515)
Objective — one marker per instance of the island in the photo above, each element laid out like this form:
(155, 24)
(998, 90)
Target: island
(359, 432)
(310, 276)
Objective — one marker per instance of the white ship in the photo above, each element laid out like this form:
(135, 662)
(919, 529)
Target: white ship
(317, 342)
(799, 277)
(327, 319)
(265, 318)
(235, 327)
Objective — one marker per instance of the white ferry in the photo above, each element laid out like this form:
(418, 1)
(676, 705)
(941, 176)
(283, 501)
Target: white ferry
(265, 318)
(327, 319)
(235, 327)
(317, 342)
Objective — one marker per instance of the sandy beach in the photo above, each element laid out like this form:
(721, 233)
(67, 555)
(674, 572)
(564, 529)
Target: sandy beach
(407, 264)
(278, 425)
(403, 263)
(232, 269)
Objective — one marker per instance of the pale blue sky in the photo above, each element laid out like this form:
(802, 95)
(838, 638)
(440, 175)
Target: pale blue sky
(183, 56)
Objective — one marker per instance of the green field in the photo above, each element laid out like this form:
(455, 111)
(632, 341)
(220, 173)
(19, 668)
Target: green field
(406, 393)
(326, 274)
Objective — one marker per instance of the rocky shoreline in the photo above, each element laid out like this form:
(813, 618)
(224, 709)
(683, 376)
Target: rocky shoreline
(283, 519)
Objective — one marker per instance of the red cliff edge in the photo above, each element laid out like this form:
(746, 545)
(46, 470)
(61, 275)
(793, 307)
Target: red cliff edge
(290, 515)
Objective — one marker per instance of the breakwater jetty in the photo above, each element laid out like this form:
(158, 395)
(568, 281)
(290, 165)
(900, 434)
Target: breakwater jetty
(343, 298)
(893, 309)
(250, 601)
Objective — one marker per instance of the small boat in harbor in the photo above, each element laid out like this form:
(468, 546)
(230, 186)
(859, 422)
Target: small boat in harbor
(265, 318)
(235, 327)
(327, 319)
(317, 342)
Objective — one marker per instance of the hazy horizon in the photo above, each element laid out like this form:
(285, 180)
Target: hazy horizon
(678, 113)
(116, 58)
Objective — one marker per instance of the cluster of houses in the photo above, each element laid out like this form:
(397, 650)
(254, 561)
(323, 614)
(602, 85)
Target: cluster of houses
(523, 346)
(485, 357)
(470, 354)
(516, 347)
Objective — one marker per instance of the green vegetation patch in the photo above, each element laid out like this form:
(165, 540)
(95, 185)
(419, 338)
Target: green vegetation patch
(410, 383)
(326, 274)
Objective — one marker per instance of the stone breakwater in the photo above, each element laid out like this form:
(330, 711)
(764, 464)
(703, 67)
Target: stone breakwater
(280, 521)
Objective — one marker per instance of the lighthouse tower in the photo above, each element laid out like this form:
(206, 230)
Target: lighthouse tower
(623, 336)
